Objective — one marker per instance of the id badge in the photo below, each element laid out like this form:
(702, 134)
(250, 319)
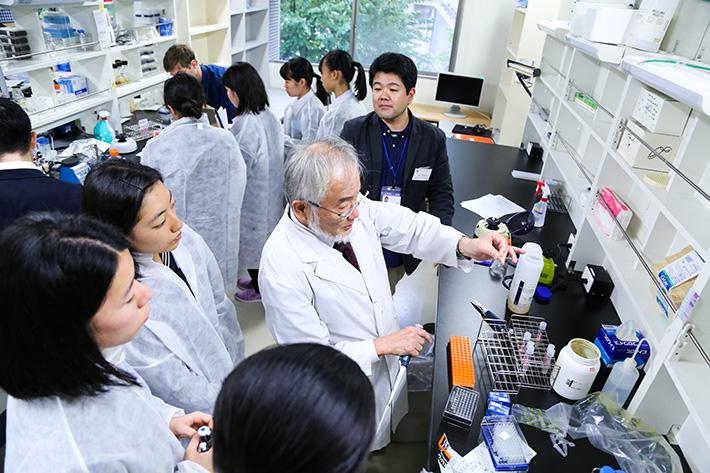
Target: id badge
(391, 194)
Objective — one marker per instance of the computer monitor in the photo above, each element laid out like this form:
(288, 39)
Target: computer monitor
(458, 90)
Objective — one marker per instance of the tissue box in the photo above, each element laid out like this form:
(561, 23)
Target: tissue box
(613, 350)
(639, 156)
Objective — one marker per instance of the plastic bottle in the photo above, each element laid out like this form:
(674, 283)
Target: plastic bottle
(621, 381)
(548, 268)
(542, 327)
(102, 130)
(527, 274)
(622, 378)
(578, 366)
(540, 209)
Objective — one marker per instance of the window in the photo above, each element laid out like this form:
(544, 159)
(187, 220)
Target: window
(421, 29)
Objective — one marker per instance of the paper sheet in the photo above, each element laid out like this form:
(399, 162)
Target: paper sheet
(492, 206)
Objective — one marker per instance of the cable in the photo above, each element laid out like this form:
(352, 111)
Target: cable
(670, 61)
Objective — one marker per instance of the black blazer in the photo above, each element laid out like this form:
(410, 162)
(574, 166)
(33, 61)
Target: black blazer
(426, 148)
(28, 190)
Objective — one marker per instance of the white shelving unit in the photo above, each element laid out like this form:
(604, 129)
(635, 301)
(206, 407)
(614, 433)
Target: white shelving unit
(250, 34)
(91, 62)
(580, 149)
(524, 44)
(204, 25)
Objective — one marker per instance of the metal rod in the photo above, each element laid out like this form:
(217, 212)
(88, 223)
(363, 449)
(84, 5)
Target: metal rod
(70, 101)
(553, 68)
(638, 254)
(600, 106)
(576, 161)
(670, 165)
(697, 345)
(49, 51)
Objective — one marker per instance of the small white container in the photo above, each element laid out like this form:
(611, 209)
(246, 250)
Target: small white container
(660, 114)
(578, 367)
(649, 25)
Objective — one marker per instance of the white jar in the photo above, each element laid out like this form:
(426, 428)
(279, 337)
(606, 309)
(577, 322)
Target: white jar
(578, 366)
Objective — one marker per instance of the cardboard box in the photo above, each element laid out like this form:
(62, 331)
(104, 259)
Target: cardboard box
(660, 114)
(638, 156)
(614, 350)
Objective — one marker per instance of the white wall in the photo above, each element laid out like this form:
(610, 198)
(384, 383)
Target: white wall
(481, 52)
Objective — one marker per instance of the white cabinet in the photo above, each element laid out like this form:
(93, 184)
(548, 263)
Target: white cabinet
(250, 34)
(580, 149)
(524, 45)
(226, 31)
(91, 62)
(204, 26)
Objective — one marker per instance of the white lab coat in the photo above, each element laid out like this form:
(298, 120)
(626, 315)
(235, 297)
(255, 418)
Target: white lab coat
(122, 430)
(261, 141)
(312, 294)
(301, 120)
(189, 343)
(344, 108)
(204, 169)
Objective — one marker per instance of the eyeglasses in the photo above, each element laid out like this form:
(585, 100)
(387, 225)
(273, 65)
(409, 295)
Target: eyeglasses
(348, 213)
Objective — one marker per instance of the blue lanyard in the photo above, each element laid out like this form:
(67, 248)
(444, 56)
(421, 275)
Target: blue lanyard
(387, 155)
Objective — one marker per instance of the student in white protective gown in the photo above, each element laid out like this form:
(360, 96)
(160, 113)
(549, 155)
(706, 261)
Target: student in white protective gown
(192, 339)
(314, 293)
(261, 140)
(70, 302)
(337, 70)
(204, 169)
(302, 117)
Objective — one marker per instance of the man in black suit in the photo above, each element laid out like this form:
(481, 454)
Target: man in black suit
(405, 157)
(23, 187)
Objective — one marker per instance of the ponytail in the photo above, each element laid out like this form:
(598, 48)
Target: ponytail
(360, 82)
(320, 91)
(339, 60)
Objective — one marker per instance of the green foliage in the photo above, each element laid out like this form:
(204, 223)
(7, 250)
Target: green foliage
(311, 28)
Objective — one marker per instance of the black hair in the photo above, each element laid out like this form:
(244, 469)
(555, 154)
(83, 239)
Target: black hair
(184, 94)
(302, 408)
(245, 81)
(298, 68)
(15, 128)
(398, 64)
(56, 270)
(339, 60)
(114, 191)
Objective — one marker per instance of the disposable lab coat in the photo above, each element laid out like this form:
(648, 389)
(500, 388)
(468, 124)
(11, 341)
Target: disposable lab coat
(122, 430)
(301, 120)
(312, 294)
(189, 343)
(261, 141)
(204, 169)
(344, 108)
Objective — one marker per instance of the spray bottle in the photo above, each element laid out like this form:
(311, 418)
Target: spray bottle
(540, 209)
(102, 130)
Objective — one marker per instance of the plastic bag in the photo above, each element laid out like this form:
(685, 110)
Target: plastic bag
(637, 447)
(420, 371)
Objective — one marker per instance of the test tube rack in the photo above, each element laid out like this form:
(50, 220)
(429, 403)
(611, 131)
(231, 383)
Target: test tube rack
(500, 344)
(505, 441)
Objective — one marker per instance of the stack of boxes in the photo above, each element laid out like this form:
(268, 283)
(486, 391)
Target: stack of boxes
(14, 42)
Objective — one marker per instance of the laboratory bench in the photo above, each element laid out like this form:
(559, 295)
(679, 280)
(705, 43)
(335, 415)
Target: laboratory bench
(478, 169)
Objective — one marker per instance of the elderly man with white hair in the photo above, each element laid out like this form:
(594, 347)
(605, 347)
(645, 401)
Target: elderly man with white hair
(323, 276)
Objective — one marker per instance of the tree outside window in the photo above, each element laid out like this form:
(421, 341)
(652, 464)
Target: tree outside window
(421, 29)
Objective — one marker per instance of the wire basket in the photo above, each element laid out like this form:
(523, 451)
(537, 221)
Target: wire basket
(503, 349)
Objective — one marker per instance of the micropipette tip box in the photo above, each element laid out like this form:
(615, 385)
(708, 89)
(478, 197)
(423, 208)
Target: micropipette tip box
(505, 442)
